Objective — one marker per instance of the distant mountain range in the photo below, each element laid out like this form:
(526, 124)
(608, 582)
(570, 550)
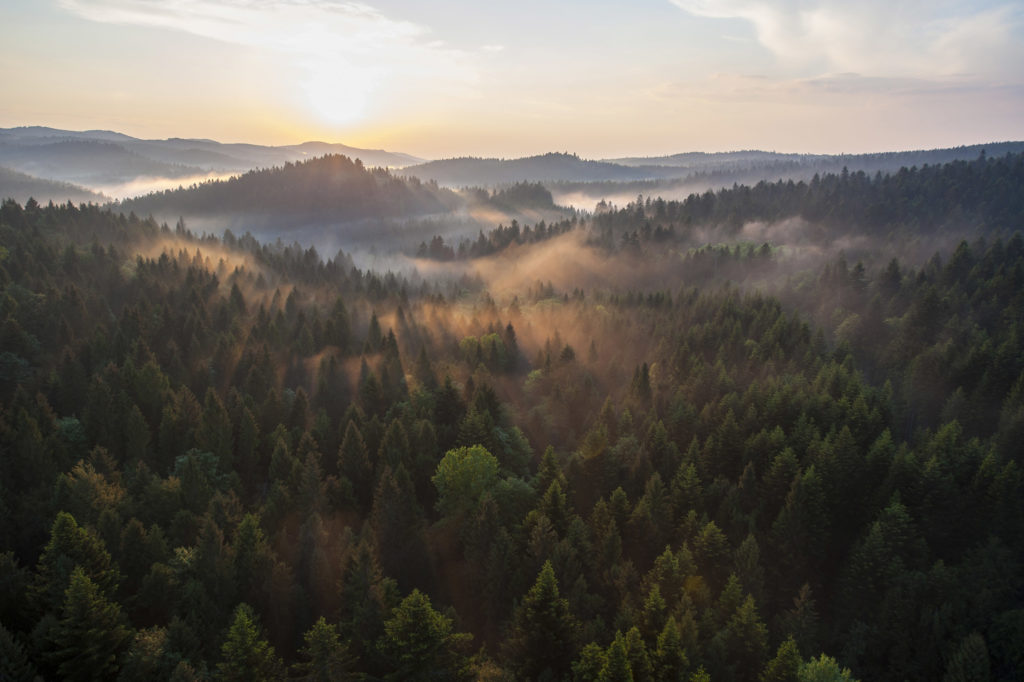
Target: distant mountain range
(119, 165)
(101, 157)
(725, 167)
(469, 171)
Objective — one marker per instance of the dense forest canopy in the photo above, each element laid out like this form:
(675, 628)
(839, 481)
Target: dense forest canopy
(331, 184)
(673, 440)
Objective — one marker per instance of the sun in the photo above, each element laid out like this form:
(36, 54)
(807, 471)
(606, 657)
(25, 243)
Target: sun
(339, 94)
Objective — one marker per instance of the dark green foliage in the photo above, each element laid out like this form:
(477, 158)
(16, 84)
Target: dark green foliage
(640, 483)
(87, 641)
(14, 662)
(542, 640)
(419, 643)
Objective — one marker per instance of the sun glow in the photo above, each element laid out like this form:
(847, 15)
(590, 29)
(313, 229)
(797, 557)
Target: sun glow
(339, 94)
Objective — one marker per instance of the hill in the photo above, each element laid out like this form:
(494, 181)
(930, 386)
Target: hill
(102, 156)
(553, 167)
(698, 168)
(20, 187)
(331, 187)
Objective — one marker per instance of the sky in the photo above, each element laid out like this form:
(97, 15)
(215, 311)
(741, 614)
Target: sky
(601, 78)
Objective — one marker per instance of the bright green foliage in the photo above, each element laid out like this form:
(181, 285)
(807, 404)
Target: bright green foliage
(419, 644)
(700, 675)
(462, 476)
(87, 641)
(670, 661)
(823, 669)
(588, 667)
(617, 666)
(324, 657)
(639, 661)
(786, 664)
(245, 655)
(71, 546)
(149, 657)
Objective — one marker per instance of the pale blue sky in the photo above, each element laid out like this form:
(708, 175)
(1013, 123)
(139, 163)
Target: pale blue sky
(455, 77)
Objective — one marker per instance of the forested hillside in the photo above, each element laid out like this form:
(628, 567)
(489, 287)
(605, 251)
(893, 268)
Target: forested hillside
(705, 458)
(330, 187)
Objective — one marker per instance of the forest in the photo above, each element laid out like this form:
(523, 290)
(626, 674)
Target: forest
(766, 433)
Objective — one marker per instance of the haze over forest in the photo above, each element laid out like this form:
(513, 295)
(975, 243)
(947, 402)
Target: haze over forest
(457, 341)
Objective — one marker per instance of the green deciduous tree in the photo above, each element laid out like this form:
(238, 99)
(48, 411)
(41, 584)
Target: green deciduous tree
(462, 476)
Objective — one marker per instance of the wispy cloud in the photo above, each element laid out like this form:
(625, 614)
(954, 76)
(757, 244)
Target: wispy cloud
(907, 38)
(348, 51)
(753, 87)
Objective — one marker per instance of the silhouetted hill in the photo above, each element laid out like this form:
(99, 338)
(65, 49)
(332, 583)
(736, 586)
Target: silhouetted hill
(330, 187)
(19, 186)
(85, 161)
(720, 169)
(704, 162)
(468, 171)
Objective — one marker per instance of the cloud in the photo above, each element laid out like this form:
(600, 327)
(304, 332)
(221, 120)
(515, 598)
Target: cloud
(348, 51)
(909, 38)
(725, 87)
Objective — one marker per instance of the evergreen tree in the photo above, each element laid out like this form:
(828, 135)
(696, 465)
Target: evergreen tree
(670, 660)
(70, 547)
(14, 663)
(419, 644)
(87, 641)
(786, 664)
(542, 639)
(245, 654)
(324, 657)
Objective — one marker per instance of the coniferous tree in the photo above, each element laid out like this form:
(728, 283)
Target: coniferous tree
(418, 643)
(542, 639)
(87, 641)
(245, 654)
(324, 657)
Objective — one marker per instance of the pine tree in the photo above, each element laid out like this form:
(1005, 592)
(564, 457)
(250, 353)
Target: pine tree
(246, 655)
(398, 528)
(354, 464)
(215, 430)
(542, 640)
(324, 658)
(970, 662)
(617, 667)
(670, 661)
(786, 664)
(419, 644)
(14, 663)
(71, 546)
(87, 641)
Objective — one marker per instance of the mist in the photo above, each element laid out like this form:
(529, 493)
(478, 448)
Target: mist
(143, 185)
